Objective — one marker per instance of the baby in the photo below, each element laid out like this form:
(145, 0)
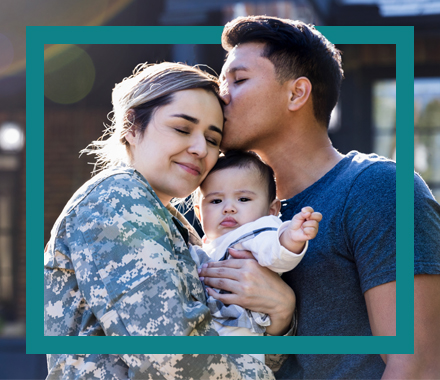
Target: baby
(237, 207)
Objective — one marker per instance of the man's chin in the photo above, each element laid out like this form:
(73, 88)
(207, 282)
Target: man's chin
(230, 145)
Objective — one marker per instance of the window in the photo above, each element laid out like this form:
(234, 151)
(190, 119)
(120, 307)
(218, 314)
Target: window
(427, 131)
(426, 126)
(384, 118)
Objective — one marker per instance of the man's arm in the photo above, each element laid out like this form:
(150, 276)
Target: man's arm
(252, 287)
(381, 305)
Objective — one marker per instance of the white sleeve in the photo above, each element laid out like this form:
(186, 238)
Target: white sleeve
(270, 253)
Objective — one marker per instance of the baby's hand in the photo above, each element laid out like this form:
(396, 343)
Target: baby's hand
(303, 226)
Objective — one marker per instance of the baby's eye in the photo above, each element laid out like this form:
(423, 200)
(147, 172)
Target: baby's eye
(244, 199)
(216, 201)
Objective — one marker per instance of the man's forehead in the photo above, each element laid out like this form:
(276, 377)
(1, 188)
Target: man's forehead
(242, 58)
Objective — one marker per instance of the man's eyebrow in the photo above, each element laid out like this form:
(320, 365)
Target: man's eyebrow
(238, 68)
(196, 121)
(233, 70)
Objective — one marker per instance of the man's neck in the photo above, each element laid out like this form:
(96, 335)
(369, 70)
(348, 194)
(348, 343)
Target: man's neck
(298, 162)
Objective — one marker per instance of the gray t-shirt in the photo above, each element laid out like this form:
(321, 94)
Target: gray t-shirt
(354, 251)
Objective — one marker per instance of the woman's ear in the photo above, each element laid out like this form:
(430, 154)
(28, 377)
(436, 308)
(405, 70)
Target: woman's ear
(275, 207)
(300, 91)
(131, 135)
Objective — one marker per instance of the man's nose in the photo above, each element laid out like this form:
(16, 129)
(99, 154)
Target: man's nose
(224, 94)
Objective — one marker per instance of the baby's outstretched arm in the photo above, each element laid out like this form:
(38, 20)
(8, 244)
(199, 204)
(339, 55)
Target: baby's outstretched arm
(303, 226)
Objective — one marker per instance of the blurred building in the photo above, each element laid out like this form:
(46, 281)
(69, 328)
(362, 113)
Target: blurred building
(75, 110)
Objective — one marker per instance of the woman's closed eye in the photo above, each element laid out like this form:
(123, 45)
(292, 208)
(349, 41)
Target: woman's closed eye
(212, 141)
(209, 140)
(182, 131)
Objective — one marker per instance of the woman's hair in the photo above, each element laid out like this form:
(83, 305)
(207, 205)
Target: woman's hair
(135, 100)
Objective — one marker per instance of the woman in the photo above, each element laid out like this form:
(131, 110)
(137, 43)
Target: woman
(117, 262)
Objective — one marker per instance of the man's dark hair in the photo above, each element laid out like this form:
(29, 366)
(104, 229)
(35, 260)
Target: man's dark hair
(295, 49)
(241, 159)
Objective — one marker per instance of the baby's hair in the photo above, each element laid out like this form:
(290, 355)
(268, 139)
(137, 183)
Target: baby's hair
(241, 159)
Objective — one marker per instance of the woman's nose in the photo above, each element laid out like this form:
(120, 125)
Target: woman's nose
(198, 146)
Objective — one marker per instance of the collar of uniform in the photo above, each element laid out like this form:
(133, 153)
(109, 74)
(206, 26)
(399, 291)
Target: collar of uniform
(191, 234)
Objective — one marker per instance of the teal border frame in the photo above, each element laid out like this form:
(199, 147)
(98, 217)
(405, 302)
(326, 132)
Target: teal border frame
(37, 343)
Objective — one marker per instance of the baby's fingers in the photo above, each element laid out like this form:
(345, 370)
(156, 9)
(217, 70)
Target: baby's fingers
(307, 209)
(316, 216)
(310, 228)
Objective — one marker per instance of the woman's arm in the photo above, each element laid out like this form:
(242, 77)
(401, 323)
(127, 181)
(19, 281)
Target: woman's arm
(253, 287)
(191, 366)
(136, 275)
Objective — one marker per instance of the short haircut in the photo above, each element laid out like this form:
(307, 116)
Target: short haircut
(241, 159)
(296, 50)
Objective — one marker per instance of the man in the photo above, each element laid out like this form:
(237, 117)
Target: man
(280, 83)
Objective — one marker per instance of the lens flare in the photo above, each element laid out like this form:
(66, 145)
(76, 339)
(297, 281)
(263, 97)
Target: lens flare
(69, 77)
(11, 137)
(7, 53)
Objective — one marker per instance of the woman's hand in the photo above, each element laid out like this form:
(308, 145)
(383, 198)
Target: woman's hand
(252, 287)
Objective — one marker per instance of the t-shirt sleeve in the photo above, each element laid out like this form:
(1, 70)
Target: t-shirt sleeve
(369, 224)
(426, 229)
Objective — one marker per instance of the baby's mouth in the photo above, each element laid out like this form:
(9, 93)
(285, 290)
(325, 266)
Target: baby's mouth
(229, 222)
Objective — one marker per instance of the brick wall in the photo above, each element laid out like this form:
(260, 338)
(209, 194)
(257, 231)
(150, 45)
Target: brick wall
(67, 131)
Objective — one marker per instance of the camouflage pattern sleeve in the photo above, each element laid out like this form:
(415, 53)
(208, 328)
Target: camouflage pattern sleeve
(117, 265)
(169, 367)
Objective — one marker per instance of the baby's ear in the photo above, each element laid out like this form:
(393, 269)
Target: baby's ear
(275, 207)
(197, 211)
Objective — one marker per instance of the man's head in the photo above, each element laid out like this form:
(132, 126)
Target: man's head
(281, 51)
(239, 189)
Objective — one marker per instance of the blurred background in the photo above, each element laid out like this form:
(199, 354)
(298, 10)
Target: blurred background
(79, 80)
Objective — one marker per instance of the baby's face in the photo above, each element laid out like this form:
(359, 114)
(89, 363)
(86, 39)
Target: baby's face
(230, 198)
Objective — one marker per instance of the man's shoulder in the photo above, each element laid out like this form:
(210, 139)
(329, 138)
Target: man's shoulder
(359, 162)
(368, 172)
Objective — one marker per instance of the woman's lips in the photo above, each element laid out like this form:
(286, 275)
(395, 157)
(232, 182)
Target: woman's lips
(189, 168)
(229, 222)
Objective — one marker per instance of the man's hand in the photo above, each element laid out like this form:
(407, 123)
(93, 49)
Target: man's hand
(303, 227)
(252, 287)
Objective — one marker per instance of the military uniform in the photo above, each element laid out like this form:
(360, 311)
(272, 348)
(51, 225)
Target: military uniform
(118, 264)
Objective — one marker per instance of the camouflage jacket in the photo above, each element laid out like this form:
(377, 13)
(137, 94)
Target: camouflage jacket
(117, 264)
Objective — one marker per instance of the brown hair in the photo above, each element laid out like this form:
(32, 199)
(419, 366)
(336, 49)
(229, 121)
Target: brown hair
(295, 49)
(136, 98)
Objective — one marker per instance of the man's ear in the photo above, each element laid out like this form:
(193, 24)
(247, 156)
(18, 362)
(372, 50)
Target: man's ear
(197, 212)
(300, 92)
(275, 207)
